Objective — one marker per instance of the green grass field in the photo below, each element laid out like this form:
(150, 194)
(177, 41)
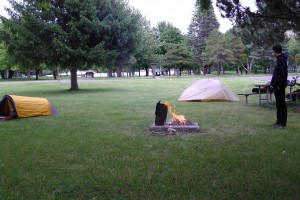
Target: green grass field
(99, 146)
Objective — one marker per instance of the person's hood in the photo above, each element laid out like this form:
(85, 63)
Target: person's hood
(283, 56)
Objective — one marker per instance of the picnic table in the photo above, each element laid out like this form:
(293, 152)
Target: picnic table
(247, 94)
(291, 85)
(264, 92)
(267, 92)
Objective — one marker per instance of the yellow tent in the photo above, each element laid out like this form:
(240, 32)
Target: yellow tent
(12, 106)
(207, 90)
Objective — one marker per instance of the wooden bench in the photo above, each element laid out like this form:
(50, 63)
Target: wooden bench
(247, 94)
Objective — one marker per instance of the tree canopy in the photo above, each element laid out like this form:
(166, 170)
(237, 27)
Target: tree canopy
(294, 51)
(178, 57)
(201, 26)
(147, 47)
(268, 23)
(70, 33)
(217, 51)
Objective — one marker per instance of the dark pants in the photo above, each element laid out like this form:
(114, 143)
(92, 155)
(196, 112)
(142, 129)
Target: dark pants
(281, 106)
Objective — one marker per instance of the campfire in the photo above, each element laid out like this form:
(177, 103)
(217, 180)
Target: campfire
(178, 123)
(176, 119)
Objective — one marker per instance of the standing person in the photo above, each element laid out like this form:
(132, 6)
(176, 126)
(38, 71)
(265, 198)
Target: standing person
(279, 83)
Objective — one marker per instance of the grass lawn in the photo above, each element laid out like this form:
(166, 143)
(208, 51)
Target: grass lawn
(99, 146)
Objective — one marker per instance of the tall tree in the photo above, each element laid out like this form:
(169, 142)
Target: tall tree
(178, 57)
(6, 64)
(217, 51)
(147, 47)
(202, 24)
(70, 33)
(120, 27)
(250, 46)
(277, 16)
(22, 35)
(263, 57)
(294, 52)
(167, 34)
(239, 52)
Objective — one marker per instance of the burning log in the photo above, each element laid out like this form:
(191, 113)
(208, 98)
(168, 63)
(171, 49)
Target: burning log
(178, 123)
(177, 119)
(161, 114)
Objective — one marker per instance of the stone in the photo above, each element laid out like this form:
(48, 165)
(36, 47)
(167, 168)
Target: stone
(168, 129)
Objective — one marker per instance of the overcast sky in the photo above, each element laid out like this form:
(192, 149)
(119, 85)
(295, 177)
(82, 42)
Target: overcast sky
(178, 12)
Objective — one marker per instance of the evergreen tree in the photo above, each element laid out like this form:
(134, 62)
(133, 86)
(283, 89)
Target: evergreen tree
(178, 57)
(6, 65)
(294, 52)
(247, 40)
(147, 47)
(217, 51)
(238, 50)
(202, 24)
(72, 33)
(120, 27)
(167, 34)
(263, 57)
(22, 35)
(167, 37)
(268, 23)
(286, 11)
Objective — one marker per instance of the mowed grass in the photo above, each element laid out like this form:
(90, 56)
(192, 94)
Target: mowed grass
(99, 146)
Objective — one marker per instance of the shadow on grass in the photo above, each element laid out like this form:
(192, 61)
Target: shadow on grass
(56, 92)
(291, 106)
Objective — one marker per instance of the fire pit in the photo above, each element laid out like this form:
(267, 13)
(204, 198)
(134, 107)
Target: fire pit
(178, 124)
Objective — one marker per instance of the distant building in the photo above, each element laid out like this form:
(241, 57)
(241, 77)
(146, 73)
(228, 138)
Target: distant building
(89, 73)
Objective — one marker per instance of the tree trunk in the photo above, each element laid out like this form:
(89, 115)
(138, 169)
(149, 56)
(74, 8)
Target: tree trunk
(28, 74)
(245, 68)
(2, 74)
(37, 74)
(219, 69)
(54, 74)
(119, 71)
(6, 72)
(271, 69)
(109, 72)
(153, 70)
(199, 70)
(249, 66)
(147, 71)
(10, 74)
(178, 72)
(74, 83)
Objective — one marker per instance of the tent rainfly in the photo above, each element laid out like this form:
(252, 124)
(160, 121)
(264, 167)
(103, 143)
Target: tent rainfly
(12, 106)
(207, 90)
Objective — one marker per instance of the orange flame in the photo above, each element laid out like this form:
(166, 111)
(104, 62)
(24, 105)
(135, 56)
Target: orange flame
(177, 118)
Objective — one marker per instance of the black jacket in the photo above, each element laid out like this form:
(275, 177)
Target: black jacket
(280, 72)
